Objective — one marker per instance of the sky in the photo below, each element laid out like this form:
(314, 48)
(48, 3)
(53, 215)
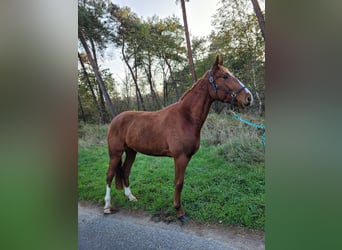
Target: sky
(199, 12)
(199, 15)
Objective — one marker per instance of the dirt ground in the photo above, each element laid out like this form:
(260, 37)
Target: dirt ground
(236, 237)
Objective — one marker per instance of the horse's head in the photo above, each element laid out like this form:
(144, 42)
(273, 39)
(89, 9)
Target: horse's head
(225, 87)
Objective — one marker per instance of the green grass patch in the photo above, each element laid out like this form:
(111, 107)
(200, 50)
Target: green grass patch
(221, 185)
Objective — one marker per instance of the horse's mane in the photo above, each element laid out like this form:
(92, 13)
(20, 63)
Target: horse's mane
(192, 87)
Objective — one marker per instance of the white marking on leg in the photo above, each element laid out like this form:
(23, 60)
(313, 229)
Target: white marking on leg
(129, 194)
(108, 205)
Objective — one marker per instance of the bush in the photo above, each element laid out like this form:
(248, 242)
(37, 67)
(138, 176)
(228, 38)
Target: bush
(216, 130)
(235, 141)
(90, 134)
(242, 150)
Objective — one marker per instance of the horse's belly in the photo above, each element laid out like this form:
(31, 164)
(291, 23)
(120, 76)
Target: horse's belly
(149, 150)
(148, 143)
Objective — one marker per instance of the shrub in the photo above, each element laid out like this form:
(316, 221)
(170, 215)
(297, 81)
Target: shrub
(235, 141)
(89, 134)
(242, 150)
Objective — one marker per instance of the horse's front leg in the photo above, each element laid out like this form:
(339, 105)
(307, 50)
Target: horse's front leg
(180, 165)
(114, 163)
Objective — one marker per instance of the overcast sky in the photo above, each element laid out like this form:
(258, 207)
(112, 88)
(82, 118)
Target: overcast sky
(199, 15)
(199, 12)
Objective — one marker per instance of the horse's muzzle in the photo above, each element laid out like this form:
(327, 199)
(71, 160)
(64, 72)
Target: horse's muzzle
(249, 101)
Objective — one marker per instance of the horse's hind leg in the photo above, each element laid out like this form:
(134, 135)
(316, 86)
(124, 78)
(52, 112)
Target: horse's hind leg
(130, 157)
(114, 163)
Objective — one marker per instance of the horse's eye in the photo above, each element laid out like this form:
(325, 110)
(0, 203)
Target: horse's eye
(225, 77)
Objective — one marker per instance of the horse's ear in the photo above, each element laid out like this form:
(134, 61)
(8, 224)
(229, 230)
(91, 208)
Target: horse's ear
(221, 60)
(218, 61)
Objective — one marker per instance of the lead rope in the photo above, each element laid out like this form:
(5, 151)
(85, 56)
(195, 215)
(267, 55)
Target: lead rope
(258, 126)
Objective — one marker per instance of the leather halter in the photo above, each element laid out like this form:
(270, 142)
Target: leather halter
(233, 94)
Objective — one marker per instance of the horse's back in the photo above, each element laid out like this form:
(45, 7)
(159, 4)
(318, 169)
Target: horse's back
(121, 122)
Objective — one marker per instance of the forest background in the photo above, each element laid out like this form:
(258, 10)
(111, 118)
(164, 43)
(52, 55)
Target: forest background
(161, 58)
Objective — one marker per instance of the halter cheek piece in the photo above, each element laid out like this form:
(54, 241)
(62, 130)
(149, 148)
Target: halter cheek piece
(233, 94)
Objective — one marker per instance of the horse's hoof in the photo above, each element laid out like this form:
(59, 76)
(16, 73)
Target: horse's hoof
(109, 210)
(183, 218)
(132, 198)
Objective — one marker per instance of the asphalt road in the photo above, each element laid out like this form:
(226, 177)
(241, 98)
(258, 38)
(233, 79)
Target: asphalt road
(124, 230)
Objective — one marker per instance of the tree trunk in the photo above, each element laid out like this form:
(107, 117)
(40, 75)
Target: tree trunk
(137, 89)
(97, 75)
(128, 91)
(259, 16)
(90, 86)
(172, 78)
(165, 87)
(188, 44)
(104, 116)
(148, 71)
(134, 76)
(81, 108)
(104, 113)
(256, 92)
(93, 49)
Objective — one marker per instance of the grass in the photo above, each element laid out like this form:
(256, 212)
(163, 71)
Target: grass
(224, 181)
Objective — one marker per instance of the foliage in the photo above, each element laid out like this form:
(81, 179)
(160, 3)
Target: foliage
(148, 47)
(239, 38)
(90, 16)
(91, 115)
(155, 54)
(93, 35)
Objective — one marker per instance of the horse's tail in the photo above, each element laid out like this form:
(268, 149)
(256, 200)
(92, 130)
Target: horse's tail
(119, 176)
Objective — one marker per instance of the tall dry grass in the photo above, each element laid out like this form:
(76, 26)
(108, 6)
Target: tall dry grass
(234, 140)
(90, 134)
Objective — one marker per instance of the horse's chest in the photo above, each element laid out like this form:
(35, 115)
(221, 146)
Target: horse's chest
(187, 143)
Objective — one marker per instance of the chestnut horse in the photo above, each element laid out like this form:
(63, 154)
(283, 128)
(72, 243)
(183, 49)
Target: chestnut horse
(173, 131)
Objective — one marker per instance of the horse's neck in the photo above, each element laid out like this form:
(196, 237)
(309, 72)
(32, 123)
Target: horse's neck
(196, 103)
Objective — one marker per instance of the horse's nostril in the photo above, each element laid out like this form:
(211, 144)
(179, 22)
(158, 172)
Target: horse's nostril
(249, 99)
